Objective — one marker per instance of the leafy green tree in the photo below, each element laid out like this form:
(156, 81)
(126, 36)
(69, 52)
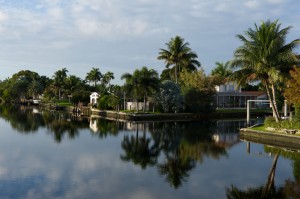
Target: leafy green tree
(198, 90)
(169, 97)
(166, 75)
(94, 76)
(292, 91)
(179, 55)
(264, 56)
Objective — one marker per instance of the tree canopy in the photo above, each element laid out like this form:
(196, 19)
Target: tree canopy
(179, 55)
(265, 56)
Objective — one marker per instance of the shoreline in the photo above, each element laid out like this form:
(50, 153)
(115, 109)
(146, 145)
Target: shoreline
(170, 116)
(291, 142)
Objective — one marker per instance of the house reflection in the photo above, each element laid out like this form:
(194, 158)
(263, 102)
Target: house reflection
(226, 133)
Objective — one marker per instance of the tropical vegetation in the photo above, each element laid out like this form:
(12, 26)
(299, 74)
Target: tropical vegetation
(264, 61)
(179, 55)
(266, 57)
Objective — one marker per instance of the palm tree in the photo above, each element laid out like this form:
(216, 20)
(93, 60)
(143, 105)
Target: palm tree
(35, 88)
(265, 57)
(179, 55)
(148, 80)
(222, 71)
(107, 77)
(141, 83)
(94, 76)
(59, 78)
(131, 86)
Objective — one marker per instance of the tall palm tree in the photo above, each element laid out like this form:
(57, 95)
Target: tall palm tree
(131, 86)
(59, 78)
(34, 89)
(179, 55)
(148, 80)
(264, 56)
(141, 83)
(94, 76)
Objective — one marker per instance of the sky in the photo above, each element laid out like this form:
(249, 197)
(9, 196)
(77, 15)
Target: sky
(120, 36)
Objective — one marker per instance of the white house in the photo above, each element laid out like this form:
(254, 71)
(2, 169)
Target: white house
(228, 87)
(230, 95)
(93, 98)
(137, 106)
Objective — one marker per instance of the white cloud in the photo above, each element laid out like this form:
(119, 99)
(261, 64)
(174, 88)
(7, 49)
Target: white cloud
(252, 4)
(104, 27)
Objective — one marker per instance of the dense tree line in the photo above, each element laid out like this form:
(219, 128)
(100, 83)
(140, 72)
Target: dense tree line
(264, 58)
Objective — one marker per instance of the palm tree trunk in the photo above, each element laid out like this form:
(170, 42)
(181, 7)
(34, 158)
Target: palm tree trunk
(271, 100)
(176, 73)
(144, 103)
(274, 102)
(271, 177)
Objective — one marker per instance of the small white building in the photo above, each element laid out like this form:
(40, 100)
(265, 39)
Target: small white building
(137, 106)
(93, 98)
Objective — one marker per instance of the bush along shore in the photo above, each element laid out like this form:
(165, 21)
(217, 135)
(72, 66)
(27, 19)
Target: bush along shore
(285, 133)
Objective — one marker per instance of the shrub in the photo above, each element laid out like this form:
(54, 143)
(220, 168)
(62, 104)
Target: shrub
(284, 124)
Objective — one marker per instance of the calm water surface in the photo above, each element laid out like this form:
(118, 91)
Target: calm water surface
(56, 155)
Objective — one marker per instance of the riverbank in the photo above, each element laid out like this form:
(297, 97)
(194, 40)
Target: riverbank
(288, 141)
(219, 114)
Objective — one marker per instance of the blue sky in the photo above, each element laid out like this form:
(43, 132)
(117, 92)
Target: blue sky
(120, 36)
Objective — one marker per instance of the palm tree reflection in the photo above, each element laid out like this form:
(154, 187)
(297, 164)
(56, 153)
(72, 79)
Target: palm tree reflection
(262, 192)
(138, 150)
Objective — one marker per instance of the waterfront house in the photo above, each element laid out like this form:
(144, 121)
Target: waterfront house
(230, 95)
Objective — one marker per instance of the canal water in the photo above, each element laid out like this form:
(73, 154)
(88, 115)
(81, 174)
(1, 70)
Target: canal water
(57, 155)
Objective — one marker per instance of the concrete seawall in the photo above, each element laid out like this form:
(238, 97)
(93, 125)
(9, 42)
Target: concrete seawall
(274, 139)
(168, 116)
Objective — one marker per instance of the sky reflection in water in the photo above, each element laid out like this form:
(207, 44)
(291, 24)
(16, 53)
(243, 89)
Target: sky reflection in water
(51, 156)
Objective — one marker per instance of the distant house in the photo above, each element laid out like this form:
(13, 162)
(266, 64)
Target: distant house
(230, 95)
(93, 98)
(131, 105)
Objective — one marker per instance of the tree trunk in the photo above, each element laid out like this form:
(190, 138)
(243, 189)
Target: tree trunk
(176, 73)
(271, 177)
(144, 108)
(274, 101)
(271, 100)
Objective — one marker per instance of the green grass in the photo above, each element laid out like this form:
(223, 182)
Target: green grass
(65, 103)
(260, 128)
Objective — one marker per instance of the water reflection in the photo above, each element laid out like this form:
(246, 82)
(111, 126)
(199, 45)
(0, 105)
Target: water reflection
(179, 159)
(291, 188)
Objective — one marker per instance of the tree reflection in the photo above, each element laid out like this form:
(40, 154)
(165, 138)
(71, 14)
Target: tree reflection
(262, 192)
(107, 127)
(182, 143)
(21, 118)
(291, 188)
(176, 168)
(140, 150)
(26, 119)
